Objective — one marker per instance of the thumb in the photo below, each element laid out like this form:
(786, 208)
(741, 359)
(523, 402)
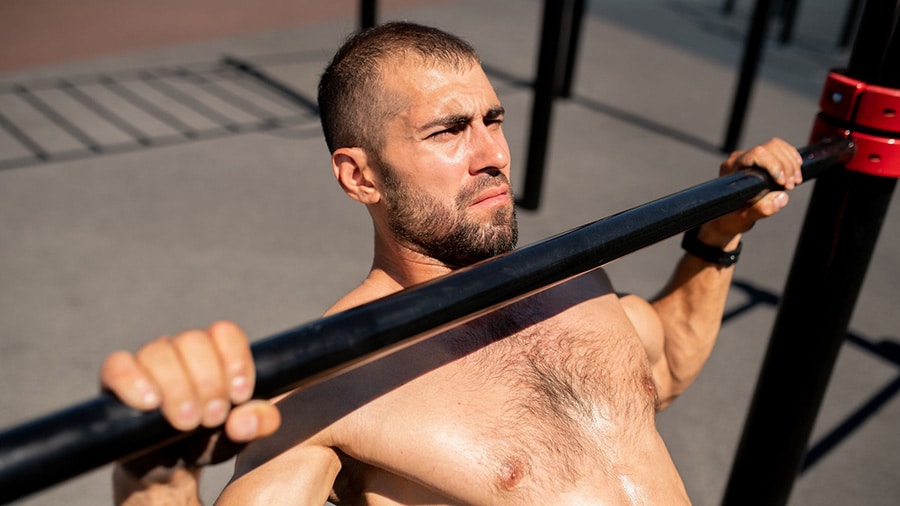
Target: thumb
(771, 203)
(252, 420)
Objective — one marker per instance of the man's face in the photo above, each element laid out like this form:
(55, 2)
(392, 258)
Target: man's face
(445, 166)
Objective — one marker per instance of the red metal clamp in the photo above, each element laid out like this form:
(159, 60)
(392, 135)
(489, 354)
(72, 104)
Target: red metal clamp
(849, 106)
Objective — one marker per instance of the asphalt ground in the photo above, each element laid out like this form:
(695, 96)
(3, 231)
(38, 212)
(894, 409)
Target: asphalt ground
(112, 237)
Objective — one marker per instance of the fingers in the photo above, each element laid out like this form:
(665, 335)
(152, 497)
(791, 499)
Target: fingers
(252, 420)
(771, 204)
(240, 374)
(783, 162)
(780, 159)
(194, 378)
(161, 361)
(122, 375)
(767, 206)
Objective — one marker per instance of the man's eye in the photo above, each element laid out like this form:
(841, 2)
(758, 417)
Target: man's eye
(448, 131)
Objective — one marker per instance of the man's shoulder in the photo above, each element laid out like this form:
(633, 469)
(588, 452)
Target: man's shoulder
(373, 287)
(592, 285)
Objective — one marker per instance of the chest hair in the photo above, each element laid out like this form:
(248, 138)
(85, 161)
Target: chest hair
(574, 386)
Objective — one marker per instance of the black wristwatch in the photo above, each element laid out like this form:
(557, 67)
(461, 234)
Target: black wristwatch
(708, 253)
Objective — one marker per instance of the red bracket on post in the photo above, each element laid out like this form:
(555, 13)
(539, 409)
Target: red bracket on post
(867, 113)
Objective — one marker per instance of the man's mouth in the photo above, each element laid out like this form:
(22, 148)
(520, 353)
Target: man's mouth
(495, 195)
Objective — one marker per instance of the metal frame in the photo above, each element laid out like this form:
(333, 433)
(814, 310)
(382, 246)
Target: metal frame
(844, 218)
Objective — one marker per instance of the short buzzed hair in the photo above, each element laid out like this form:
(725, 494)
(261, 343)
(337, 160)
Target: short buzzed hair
(352, 103)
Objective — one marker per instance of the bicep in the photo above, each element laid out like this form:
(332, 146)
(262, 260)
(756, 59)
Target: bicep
(650, 330)
(642, 315)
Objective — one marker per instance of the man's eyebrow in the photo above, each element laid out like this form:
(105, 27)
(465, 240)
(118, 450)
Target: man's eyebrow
(446, 121)
(495, 112)
(462, 119)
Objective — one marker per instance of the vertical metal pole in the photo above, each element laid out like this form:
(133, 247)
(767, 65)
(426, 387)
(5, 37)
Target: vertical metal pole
(843, 221)
(542, 105)
(728, 7)
(575, 18)
(752, 54)
(851, 19)
(788, 18)
(367, 10)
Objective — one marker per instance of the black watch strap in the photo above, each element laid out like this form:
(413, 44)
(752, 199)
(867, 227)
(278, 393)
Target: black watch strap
(708, 253)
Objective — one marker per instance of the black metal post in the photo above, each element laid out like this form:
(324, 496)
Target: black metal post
(788, 18)
(545, 83)
(575, 18)
(753, 48)
(367, 14)
(851, 20)
(842, 225)
(57, 447)
(728, 6)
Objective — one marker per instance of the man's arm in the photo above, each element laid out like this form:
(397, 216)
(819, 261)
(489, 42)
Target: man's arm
(679, 327)
(300, 475)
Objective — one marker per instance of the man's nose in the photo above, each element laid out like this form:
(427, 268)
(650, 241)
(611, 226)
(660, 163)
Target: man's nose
(490, 150)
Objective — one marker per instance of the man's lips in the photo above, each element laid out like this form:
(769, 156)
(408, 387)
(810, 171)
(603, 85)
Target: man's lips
(496, 194)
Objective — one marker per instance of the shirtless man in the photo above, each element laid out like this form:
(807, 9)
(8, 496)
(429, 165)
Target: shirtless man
(551, 400)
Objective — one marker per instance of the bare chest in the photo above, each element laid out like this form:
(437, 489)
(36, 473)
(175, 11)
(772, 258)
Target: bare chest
(538, 399)
(547, 397)
(579, 362)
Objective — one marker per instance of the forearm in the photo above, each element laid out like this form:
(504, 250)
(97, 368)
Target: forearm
(302, 475)
(179, 488)
(688, 313)
(690, 310)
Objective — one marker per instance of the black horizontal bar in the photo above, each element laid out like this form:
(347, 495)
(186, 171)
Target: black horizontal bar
(59, 446)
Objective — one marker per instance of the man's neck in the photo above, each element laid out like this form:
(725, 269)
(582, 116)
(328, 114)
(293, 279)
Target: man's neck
(402, 264)
(390, 274)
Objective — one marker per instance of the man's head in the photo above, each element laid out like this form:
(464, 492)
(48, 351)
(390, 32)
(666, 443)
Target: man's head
(414, 127)
(351, 100)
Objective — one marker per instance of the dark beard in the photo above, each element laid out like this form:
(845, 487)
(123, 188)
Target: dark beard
(446, 234)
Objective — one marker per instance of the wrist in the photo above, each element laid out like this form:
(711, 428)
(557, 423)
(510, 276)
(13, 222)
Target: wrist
(720, 250)
(178, 486)
(710, 235)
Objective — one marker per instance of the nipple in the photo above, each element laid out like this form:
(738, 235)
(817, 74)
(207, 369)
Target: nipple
(511, 473)
(650, 388)
(649, 385)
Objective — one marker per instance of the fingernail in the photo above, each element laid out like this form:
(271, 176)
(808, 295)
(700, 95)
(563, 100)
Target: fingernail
(781, 200)
(245, 428)
(149, 397)
(187, 411)
(240, 389)
(216, 412)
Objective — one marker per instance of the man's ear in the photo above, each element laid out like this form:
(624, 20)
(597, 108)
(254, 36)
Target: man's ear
(353, 173)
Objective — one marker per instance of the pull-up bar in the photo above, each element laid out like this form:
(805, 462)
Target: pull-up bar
(62, 445)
